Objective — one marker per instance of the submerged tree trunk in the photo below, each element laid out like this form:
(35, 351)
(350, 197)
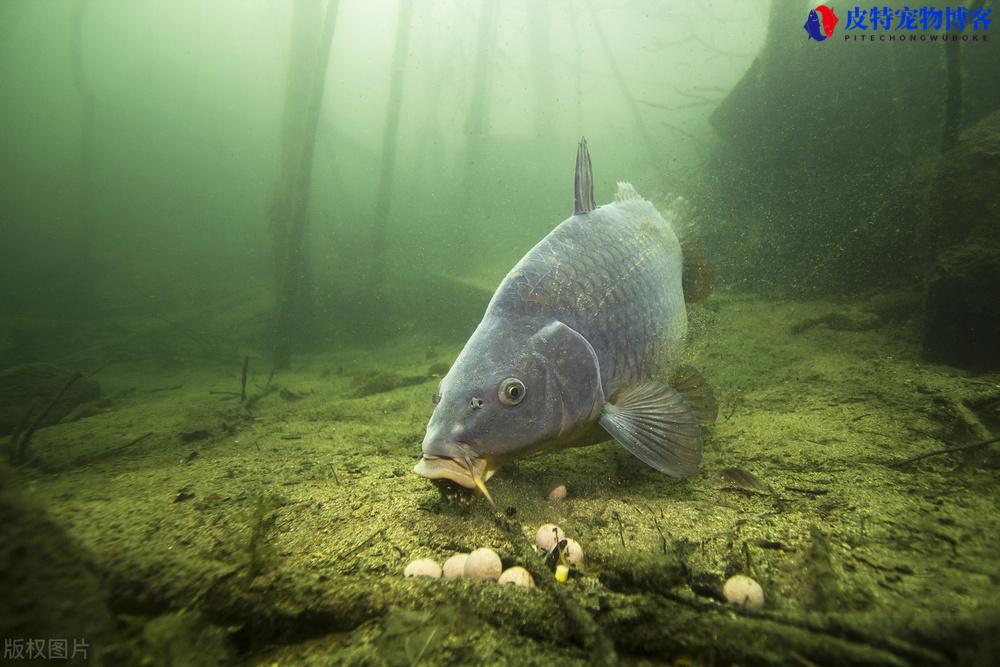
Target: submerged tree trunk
(389, 146)
(81, 280)
(430, 143)
(953, 93)
(633, 107)
(541, 71)
(479, 104)
(307, 65)
(578, 72)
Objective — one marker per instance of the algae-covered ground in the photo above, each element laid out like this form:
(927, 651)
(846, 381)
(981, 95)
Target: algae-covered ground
(276, 530)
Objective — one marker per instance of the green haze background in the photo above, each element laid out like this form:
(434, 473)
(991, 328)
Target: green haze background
(141, 147)
(188, 100)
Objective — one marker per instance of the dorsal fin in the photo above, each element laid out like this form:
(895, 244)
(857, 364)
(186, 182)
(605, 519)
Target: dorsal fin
(583, 182)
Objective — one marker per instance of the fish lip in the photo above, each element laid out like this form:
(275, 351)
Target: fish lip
(453, 469)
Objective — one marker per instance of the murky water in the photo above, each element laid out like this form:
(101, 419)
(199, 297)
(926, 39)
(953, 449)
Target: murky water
(243, 244)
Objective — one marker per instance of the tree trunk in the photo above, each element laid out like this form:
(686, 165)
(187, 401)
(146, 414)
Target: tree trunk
(953, 93)
(633, 106)
(304, 99)
(81, 270)
(479, 104)
(578, 73)
(541, 71)
(389, 146)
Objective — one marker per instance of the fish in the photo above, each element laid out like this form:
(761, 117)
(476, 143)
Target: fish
(575, 348)
(812, 26)
(830, 19)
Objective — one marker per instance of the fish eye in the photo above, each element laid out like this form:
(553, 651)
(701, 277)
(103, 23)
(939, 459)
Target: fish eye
(511, 391)
(435, 399)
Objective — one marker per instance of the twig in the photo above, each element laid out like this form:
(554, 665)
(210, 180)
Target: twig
(948, 450)
(659, 529)
(113, 450)
(24, 439)
(685, 133)
(362, 544)
(808, 492)
(243, 382)
(156, 389)
(621, 530)
(423, 648)
(678, 107)
(252, 400)
(586, 629)
(967, 417)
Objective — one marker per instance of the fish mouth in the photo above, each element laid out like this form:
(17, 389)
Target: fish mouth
(469, 471)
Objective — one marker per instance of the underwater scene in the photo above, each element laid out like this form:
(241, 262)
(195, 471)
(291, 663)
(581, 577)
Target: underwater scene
(499, 332)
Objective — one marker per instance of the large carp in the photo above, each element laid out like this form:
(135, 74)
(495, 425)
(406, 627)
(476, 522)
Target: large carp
(579, 343)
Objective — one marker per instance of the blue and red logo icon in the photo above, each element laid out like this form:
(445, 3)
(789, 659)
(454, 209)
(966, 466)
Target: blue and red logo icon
(820, 23)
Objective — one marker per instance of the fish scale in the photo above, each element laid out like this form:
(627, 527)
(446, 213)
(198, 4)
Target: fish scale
(632, 275)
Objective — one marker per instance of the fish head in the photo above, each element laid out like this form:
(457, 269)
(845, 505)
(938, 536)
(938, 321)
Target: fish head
(515, 388)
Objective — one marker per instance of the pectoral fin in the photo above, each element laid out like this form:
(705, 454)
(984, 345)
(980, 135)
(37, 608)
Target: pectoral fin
(655, 423)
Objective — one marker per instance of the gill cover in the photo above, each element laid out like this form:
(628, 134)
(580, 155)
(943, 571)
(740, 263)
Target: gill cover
(573, 376)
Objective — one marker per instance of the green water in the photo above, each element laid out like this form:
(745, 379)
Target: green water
(241, 243)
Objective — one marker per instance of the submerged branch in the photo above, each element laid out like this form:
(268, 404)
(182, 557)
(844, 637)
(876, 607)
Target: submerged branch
(586, 629)
(113, 450)
(947, 450)
(22, 440)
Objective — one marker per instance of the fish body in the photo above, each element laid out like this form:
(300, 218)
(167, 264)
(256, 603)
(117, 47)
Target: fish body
(813, 28)
(573, 349)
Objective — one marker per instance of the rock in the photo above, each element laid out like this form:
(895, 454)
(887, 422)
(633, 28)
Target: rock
(455, 566)
(517, 576)
(30, 388)
(573, 553)
(744, 591)
(548, 535)
(483, 564)
(425, 567)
